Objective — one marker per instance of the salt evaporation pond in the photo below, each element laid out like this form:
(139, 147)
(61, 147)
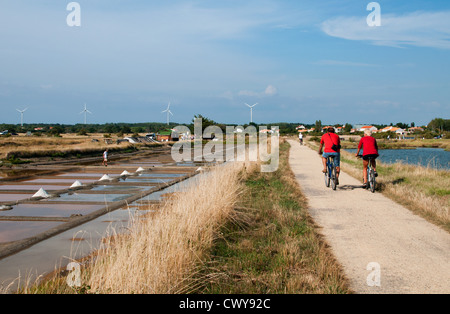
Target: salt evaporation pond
(31, 218)
(50, 210)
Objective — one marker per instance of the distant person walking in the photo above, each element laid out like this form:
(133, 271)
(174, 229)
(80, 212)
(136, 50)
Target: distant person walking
(105, 158)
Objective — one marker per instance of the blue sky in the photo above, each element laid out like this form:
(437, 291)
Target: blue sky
(301, 61)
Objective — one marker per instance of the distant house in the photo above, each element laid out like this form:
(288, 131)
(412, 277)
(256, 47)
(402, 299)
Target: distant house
(325, 128)
(415, 129)
(367, 127)
(164, 136)
(386, 129)
(392, 129)
(301, 127)
(338, 129)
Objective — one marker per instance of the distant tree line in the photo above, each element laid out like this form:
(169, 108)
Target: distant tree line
(437, 125)
(82, 129)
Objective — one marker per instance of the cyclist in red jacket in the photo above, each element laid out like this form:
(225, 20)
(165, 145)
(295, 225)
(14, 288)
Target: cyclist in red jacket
(370, 150)
(327, 144)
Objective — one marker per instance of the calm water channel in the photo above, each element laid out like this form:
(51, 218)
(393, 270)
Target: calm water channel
(427, 157)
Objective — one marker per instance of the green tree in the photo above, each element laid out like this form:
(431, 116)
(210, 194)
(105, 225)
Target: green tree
(138, 129)
(125, 129)
(348, 127)
(318, 126)
(402, 125)
(205, 122)
(56, 130)
(109, 128)
(82, 132)
(439, 125)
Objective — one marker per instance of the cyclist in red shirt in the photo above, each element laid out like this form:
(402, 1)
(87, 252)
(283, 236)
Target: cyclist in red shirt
(370, 150)
(328, 140)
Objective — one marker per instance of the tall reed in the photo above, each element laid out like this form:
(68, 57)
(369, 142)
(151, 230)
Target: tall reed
(161, 253)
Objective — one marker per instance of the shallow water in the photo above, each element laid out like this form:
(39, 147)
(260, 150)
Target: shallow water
(35, 188)
(427, 157)
(14, 197)
(19, 230)
(50, 210)
(81, 175)
(137, 165)
(144, 180)
(60, 250)
(80, 197)
(162, 175)
(56, 180)
(120, 188)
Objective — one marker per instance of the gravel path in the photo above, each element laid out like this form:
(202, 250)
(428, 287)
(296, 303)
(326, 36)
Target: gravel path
(382, 246)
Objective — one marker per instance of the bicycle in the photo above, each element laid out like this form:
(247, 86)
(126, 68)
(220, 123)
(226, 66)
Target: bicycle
(371, 177)
(330, 176)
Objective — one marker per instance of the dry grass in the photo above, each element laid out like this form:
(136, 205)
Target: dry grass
(161, 254)
(18, 144)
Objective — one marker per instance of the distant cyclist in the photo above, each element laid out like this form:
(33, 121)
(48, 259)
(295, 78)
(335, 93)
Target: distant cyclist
(332, 144)
(370, 150)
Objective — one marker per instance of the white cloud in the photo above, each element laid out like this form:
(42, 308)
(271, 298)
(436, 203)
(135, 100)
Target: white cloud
(421, 29)
(271, 90)
(248, 93)
(268, 92)
(227, 95)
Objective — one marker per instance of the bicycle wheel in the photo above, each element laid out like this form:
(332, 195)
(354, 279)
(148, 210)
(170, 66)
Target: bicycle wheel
(333, 177)
(372, 181)
(327, 176)
(327, 180)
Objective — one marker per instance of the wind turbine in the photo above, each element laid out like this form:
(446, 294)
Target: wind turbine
(168, 113)
(85, 111)
(251, 111)
(21, 115)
